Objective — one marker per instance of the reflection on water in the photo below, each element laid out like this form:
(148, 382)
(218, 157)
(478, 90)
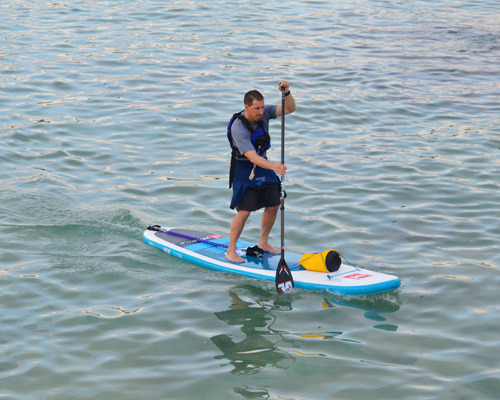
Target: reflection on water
(253, 310)
(374, 306)
(258, 348)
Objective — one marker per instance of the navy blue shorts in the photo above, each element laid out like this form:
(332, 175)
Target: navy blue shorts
(257, 198)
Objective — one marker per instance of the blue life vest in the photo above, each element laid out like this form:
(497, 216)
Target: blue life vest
(261, 141)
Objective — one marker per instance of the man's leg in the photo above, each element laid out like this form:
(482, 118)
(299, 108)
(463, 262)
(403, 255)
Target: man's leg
(267, 224)
(237, 226)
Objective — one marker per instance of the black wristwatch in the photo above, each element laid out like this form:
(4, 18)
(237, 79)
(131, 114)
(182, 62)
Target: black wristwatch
(286, 94)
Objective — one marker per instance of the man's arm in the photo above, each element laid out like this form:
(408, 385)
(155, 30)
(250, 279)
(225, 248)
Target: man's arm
(252, 155)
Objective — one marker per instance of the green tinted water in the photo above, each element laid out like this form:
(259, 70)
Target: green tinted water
(113, 117)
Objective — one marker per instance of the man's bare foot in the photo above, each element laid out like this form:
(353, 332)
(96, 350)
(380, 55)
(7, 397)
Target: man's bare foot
(233, 257)
(269, 249)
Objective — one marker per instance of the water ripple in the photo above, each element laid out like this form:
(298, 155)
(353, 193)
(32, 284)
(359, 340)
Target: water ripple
(114, 117)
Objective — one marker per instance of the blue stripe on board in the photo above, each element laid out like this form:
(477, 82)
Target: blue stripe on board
(268, 262)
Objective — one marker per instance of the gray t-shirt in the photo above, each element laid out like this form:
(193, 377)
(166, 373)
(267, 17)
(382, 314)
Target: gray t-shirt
(242, 138)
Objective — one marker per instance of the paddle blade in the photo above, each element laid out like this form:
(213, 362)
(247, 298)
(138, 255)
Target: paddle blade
(284, 279)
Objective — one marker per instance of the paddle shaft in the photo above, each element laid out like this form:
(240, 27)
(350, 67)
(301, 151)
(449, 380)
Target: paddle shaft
(282, 176)
(284, 278)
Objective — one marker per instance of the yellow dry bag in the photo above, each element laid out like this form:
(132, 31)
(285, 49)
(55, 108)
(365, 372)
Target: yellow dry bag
(326, 261)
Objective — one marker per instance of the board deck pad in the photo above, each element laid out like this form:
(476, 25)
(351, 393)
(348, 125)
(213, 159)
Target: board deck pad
(347, 280)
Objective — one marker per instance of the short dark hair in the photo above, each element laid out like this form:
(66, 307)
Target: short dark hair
(251, 96)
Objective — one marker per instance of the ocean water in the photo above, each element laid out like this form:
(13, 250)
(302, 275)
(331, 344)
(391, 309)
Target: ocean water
(113, 117)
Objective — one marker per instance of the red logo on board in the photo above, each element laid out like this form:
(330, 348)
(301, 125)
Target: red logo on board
(357, 276)
(215, 236)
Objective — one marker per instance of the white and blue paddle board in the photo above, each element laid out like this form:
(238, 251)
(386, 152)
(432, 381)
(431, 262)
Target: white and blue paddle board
(208, 250)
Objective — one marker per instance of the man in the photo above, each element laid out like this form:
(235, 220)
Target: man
(253, 176)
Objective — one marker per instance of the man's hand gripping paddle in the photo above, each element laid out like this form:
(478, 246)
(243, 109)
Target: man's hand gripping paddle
(284, 279)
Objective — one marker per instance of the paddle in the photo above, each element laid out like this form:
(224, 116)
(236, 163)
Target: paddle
(284, 279)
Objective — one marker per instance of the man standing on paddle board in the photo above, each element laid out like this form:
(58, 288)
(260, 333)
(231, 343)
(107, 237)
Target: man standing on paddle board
(252, 175)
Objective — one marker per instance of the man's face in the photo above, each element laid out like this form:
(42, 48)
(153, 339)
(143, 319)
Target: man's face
(254, 112)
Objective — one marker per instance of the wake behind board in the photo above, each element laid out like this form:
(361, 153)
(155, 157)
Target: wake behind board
(208, 250)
